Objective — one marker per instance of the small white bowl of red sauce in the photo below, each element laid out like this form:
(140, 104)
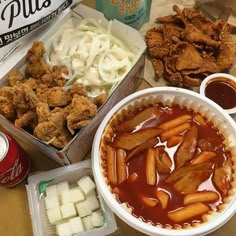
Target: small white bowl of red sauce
(221, 89)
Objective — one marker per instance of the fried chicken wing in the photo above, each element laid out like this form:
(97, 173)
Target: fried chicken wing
(194, 35)
(227, 49)
(50, 123)
(36, 51)
(25, 119)
(15, 78)
(183, 61)
(56, 97)
(80, 113)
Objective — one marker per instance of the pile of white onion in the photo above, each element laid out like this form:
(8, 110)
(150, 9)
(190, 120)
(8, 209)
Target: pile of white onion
(94, 56)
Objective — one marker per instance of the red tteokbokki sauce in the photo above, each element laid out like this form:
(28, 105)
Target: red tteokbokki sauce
(166, 163)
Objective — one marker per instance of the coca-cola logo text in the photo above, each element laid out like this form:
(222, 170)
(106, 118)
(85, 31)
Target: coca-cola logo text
(12, 173)
(25, 8)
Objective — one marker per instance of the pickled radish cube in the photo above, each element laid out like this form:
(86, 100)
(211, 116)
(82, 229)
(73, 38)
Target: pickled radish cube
(93, 192)
(72, 196)
(76, 195)
(86, 184)
(97, 219)
(93, 201)
(87, 222)
(62, 187)
(54, 215)
(64, 229)
(68, 210)
(76, 225)
(83, 208)
(65, 197)
(51, 191)
(51, 202)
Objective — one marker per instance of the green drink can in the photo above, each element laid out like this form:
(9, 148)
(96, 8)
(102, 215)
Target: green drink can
(131, 12)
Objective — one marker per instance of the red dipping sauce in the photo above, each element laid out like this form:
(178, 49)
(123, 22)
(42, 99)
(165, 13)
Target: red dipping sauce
(222, 91)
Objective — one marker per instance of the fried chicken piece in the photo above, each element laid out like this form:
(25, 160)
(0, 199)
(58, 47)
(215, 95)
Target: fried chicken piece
(159, 51)
(207, 66)
(227, 49)
(175, 79)
(180, 15)
(100, 99)
(157, 66)
(36, 51)
(7, 108)
(189, 58)
(37, 68)
(194, 35)
(80, 113)
(191, 82)
(15, 77)
(76, 88)
(50, 123)
(25, 119)
(47, 79)
(56, 97)
(168, 19)
(32, 83)
(62, 138)
(153, 37)
(57, 75)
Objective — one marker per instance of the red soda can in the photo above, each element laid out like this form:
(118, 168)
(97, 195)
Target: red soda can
(14, 163)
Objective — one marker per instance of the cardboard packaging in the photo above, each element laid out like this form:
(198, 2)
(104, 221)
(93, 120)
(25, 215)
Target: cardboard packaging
(77, 149)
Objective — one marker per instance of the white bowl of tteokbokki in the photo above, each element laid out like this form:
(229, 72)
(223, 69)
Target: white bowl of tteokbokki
(164, 161)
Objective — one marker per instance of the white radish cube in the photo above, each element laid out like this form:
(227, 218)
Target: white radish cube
(52, 202)
(54, 215)
(87, 222)
(72, 196)
(86, 184)
(68, 210)
(65, 197)
(83, 208)
(93, 201)
(61, 187)
(59, 223)
(76, 225)
(64, 229)
(97, 219)
(51, 191)
(93, 192)
(76, 195)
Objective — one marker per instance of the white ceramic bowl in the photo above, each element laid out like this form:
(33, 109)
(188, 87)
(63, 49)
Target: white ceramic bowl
(170, 95)
(215, 77)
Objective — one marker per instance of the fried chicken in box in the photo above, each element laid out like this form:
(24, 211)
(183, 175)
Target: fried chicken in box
(187, 47)
(39, 102)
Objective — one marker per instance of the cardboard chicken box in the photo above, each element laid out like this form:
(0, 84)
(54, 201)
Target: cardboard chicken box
(81, 143)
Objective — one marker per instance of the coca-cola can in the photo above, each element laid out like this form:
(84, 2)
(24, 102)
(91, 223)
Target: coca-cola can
(14, 162)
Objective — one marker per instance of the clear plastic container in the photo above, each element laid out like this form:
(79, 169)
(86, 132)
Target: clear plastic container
(71, 174)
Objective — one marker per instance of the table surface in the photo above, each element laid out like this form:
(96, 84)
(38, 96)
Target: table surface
(14, 211)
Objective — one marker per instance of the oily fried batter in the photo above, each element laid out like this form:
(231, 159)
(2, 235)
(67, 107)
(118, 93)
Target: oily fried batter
(41, 102)
(187, 47)
(80, 113)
